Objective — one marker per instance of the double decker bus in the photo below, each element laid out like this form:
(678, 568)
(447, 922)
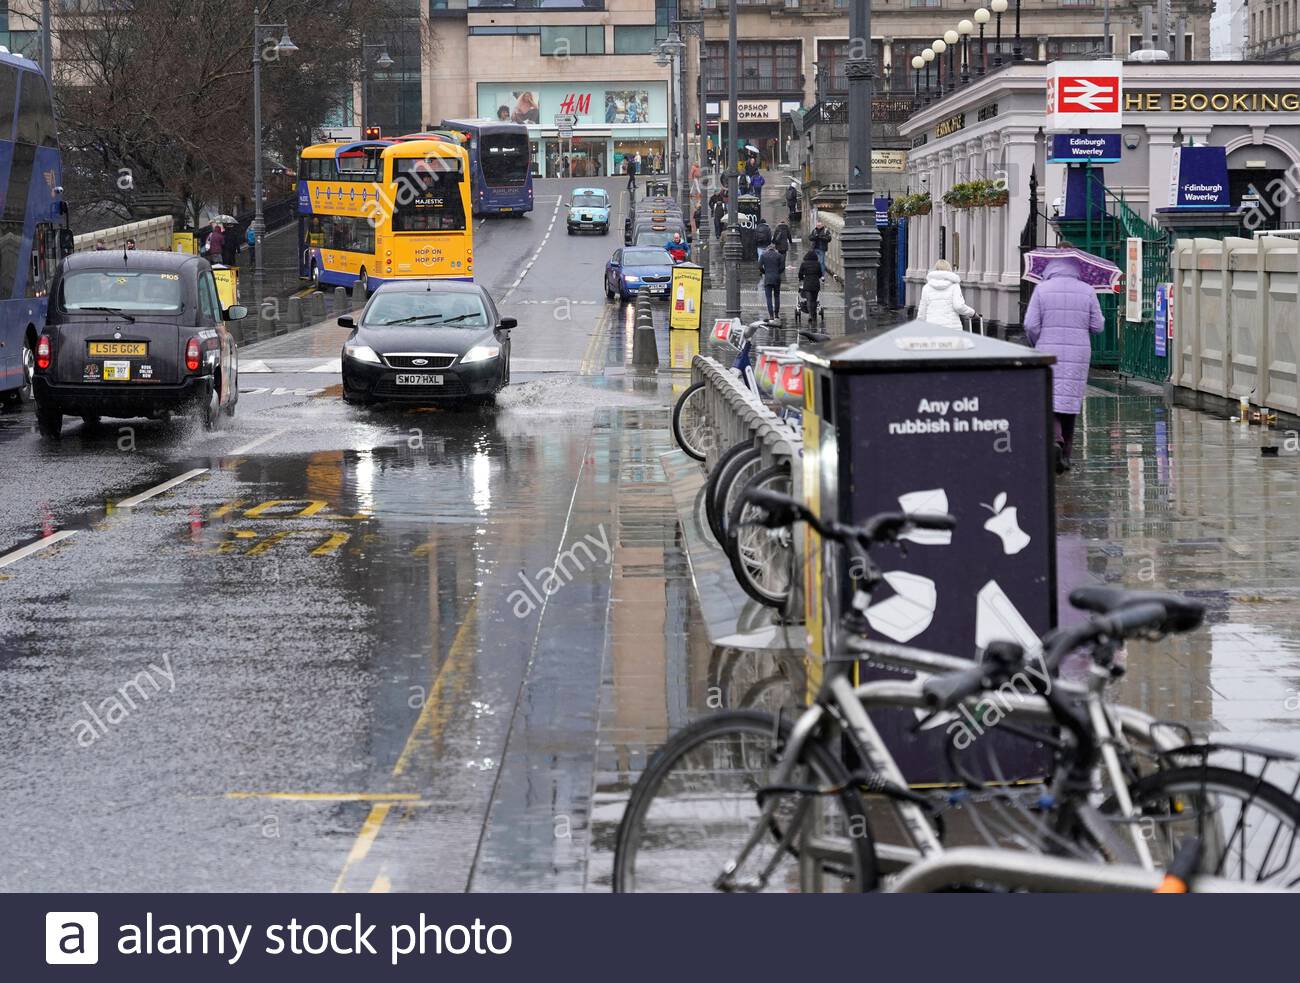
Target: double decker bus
(33, 222)
(378, 210)
(500, 164)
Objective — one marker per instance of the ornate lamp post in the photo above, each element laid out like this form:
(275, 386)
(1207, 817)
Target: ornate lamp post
(950, 39)
(383, 61)
(982, 18)
(999, 8)
(918, 63)
(965, 28)
(861, 238)
(939, 47)
(1016, 53)
(731, 245)
(282, 47)
(695, 29)
(927, 56)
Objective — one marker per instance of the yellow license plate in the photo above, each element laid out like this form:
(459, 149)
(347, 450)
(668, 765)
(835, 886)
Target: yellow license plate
(110, 349)
(117, 371)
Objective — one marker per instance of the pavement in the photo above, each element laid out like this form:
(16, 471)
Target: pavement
(406, 649)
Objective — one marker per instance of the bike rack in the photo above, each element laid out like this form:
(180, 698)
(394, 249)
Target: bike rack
(736, 416)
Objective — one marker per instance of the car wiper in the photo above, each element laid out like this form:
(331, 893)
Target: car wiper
(102, 310)
(425, 317)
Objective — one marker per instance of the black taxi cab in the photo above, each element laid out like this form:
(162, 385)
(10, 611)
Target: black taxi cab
(135, 334)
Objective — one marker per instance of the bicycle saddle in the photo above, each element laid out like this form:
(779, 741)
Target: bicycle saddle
(1181, 614)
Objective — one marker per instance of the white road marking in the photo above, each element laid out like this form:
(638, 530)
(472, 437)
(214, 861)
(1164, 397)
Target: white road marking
(167, 485)
(264, 439)
(540, 246)
(288, 366)
(36, 547)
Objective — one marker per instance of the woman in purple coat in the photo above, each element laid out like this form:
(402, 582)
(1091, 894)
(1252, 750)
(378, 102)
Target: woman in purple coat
(1063, 316)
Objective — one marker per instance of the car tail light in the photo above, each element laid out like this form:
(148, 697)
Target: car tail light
(43, 352)
(192, 355)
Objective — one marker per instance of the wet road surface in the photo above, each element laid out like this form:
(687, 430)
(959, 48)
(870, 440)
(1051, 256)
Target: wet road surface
(405, 649)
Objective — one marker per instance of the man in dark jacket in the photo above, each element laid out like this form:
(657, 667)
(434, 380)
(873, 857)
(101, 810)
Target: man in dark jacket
(230, 246)
(792, 202)
(762, 234)
(629, 165)
(820, 238)
(781, 239)
(719, 216)
(810, 280)
(772, 266)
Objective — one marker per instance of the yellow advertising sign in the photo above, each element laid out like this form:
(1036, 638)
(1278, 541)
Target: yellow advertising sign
(227, 284)
(685, 297)
(683, 346)
(184, 242)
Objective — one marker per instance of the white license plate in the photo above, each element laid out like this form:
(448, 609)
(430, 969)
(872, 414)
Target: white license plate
(659, 288)
(117, 371)
(419, 379)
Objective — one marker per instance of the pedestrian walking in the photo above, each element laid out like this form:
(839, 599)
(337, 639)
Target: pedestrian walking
(719, 215)
(229, 248)
(1062, 317)
(820, 238)
(781, 239)
(762, 233)
(216, 242)
(756, 184)
(810, 281)
(250, 237)
(792, 202)
(772, 267)
(629, 166)
(941, 300)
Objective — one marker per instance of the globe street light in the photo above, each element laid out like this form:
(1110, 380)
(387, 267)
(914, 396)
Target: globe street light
(999, 8)
(939, 47)
(918, 63)
(927, 56)
(965, 29)
(981, 18)
(951, 38)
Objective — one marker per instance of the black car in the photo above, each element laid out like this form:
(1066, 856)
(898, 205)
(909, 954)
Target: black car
(426, 341)
(136, 333)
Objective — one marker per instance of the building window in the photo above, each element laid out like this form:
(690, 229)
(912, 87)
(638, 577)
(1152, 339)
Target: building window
(923, 3)
(634, 39)
(1064, 49)
(902, 78)
(494, 29)
(665, 14)
(576, 39)
(832, 59)
(764, 66)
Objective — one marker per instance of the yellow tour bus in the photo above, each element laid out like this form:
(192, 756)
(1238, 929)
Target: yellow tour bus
(379, 210)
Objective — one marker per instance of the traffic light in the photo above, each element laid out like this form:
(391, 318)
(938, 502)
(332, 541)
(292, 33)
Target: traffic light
(371, 133)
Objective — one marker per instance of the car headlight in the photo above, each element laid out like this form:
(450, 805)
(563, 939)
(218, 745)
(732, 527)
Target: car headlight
(480, 353)
(362, 353)
(630, 277)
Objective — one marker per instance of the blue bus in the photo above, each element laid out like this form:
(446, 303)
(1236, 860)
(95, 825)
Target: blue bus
(33, 223)
(501, 173)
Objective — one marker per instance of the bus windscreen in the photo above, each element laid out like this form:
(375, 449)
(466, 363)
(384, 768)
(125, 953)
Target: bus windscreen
(504, 158)
(428, 195)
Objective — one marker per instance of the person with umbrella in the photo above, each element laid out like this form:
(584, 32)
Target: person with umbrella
(1062, 317)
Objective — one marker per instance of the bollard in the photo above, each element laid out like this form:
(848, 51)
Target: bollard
(340, 300)
(645, 350)
(316, 310)
(293, 314)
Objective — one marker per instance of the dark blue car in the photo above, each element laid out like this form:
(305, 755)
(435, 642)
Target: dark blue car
(635, 268)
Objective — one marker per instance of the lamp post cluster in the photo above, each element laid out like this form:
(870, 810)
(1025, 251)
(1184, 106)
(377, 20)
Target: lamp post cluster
(962, 62)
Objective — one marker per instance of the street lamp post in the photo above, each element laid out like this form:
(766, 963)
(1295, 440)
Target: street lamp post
(383, 61)
(999, 8)
(918, 63)
(861, 238)
(669, 50)
(695, 28)
(282, 47)
(964, 28)
(1016, 53)
(982, 18)
(927, 55)
(950, 39)
(731, 247)
(939, 47)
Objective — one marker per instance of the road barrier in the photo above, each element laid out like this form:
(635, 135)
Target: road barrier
(151, 233)
(341, 302)
(1236, 320)
(645, 350)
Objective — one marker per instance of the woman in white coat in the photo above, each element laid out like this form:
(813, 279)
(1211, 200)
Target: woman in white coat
(941, 300)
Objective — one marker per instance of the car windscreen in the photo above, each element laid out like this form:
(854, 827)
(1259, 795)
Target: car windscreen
(428, 195)
(589, 201)
(503, 158)
(132, 291)
(653, 238)
(645, 257)
(434, 308)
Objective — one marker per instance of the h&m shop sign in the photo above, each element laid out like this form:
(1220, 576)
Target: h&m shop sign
(1218, 102)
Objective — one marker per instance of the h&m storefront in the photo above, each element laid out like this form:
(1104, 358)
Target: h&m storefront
(616, 120)
(993, 128)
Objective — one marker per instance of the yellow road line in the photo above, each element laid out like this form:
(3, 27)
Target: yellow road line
(364, 841)
(382, 884)
(597, 346)
(329, 796)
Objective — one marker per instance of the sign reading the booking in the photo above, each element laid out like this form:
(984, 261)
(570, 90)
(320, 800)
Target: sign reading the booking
(1084, 95)
(1084, 148)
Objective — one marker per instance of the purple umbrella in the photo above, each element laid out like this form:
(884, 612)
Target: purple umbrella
(1100, 274)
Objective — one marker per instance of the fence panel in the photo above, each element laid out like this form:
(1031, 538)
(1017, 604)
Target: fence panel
(1212, 334)
(1281, 305)
(1244, 324)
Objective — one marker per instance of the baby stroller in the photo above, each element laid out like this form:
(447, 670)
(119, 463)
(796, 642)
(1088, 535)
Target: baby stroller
(809, 308)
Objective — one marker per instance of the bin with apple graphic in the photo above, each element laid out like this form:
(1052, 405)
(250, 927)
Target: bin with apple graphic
(924, 418)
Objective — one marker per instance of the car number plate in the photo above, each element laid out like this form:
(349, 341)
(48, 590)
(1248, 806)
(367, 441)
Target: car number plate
(117, 371)
(659, 288)
(108, 349)
(507, 209)
(419, 379)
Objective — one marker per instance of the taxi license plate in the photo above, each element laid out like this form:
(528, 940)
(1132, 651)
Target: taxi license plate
(117, 371)
(419, 379)
(111, 349)
(507, 209)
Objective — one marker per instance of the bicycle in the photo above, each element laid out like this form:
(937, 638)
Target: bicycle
(797, 815)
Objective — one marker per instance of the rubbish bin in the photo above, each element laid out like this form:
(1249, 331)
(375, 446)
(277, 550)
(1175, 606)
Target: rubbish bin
(923, 418)
(748, 244)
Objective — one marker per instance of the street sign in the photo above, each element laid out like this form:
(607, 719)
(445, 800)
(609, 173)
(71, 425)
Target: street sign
(1161, 316)
(1084, 95)
(1133, 280)
(1084, 148)
(1198, 178)
(566, 119)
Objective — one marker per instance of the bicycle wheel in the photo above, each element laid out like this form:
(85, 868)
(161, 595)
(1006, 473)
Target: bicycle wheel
(762, 559)
(695, 808)
(713, 487)
(1249, 830)
(691, 427)
(730, 485)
